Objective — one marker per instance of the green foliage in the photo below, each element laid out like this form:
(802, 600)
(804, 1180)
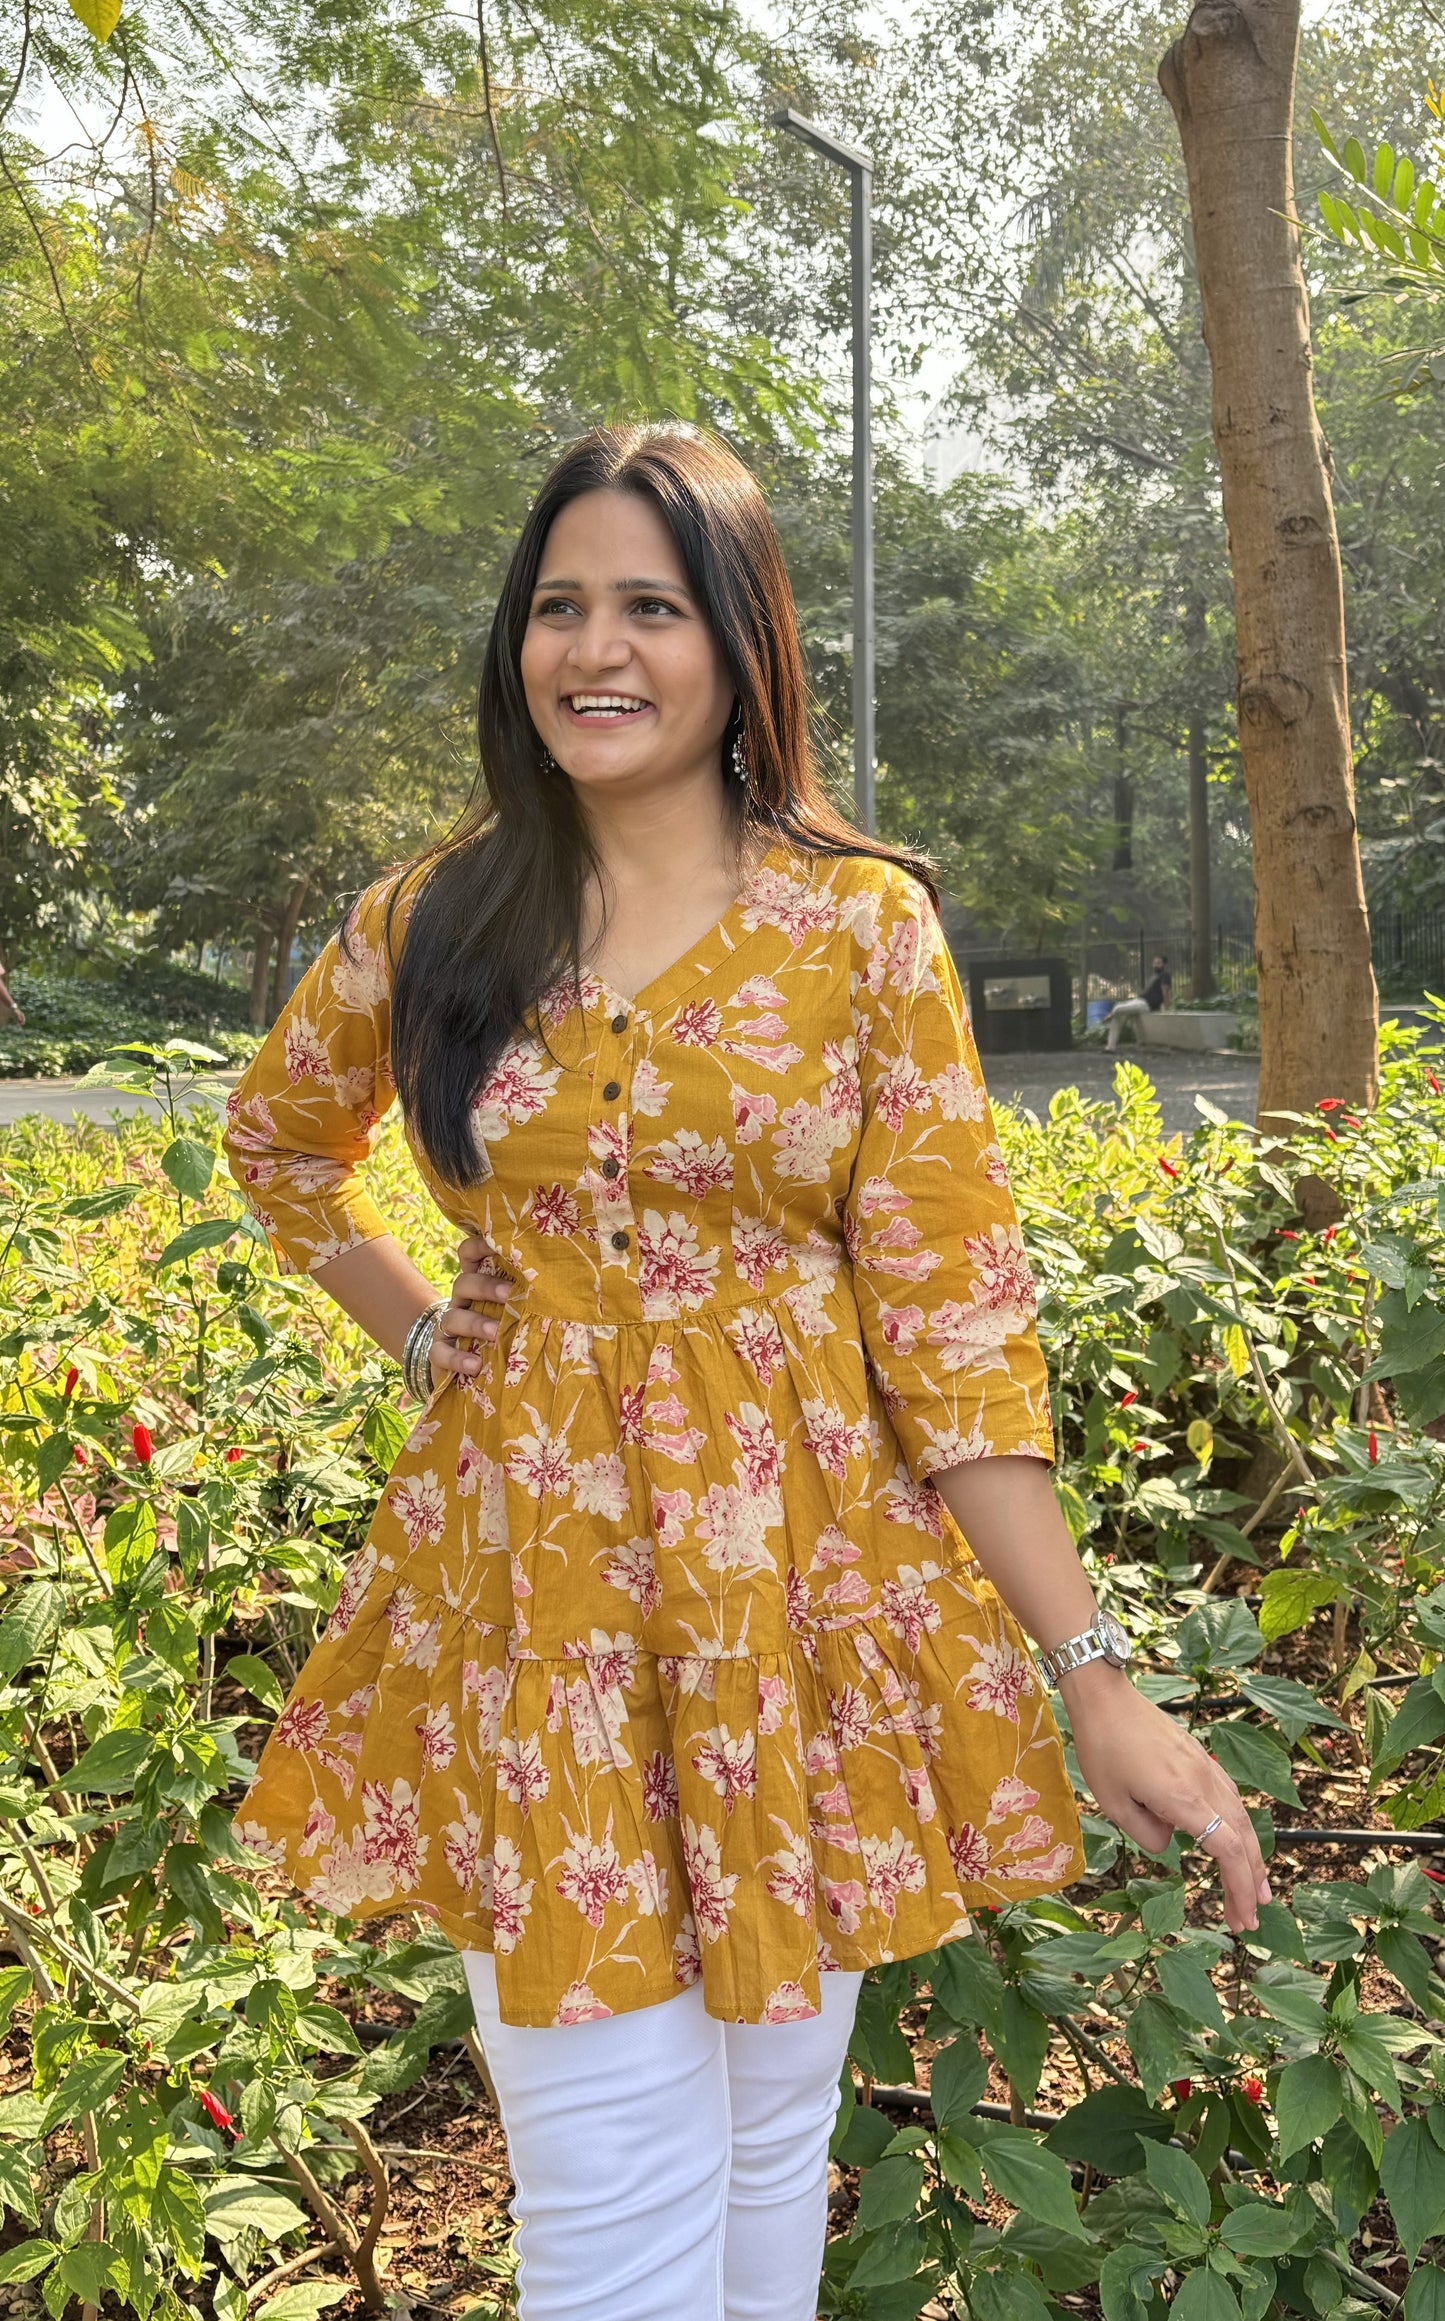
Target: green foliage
(73, 1022)
(1243, 2108)
(1396, 223)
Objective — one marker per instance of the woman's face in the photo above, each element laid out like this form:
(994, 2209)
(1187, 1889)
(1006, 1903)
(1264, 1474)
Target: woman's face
(623, 677)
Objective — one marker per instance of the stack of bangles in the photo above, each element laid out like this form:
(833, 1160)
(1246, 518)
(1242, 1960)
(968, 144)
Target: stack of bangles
(416, 1353)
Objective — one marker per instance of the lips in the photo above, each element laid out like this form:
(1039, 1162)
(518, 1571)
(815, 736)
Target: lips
(605, 708)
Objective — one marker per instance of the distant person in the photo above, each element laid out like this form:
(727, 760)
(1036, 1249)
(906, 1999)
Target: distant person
(1155, 996)
(13, 1012)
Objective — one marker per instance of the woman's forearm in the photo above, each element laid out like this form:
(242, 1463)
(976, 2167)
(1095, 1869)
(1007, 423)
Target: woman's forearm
(1007, 1511)
(380, 1288)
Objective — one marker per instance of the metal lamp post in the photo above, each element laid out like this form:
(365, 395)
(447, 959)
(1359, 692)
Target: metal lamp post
(859, 166)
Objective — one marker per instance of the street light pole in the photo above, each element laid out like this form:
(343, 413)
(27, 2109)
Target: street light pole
(859, 166)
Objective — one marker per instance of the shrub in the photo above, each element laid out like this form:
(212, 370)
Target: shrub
(73, 1022)
(190, 1448)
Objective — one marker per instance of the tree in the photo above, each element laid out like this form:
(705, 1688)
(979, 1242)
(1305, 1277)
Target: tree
(1229, 80)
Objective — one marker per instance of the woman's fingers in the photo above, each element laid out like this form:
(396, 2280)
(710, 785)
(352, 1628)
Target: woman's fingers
(466, 1326)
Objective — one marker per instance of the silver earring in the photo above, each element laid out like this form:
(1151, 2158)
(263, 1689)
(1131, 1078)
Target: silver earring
(549, 763)
(742, 771)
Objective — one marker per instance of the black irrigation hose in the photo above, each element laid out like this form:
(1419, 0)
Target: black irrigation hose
(1416, 1841)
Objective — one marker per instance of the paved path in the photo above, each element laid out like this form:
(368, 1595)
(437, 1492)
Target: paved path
(1227, 1080)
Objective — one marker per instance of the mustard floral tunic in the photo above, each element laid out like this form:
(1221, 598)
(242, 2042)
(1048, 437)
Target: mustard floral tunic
(663, 1660)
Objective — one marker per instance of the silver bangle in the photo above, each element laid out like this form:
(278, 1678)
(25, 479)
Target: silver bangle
(416, 1353)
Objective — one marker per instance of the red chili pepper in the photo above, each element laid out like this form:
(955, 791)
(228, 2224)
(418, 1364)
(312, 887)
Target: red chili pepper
(1167, 1166)
(1436, 1086)
(1309, 1277)
(1374, 1442)
(81, 1458)
(1352, 1121)
(215, 2111)
(1331, 1104)
(1252, 2089)
(235, 1452)
(1287, 1234)
(1126, 1399)
(141, 1444)
(1182, 2088)
(72, 1380)
(1330, 1232)
(1436, 1877)
(1141, 1445)
(1333, 1134)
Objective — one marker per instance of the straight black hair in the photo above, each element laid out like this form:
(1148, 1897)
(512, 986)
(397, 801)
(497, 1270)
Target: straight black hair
(496, 906)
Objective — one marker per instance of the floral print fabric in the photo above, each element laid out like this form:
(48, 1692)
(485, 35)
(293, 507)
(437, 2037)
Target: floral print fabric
(663, 1659)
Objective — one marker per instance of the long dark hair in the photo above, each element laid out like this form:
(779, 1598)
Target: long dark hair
(496, 906)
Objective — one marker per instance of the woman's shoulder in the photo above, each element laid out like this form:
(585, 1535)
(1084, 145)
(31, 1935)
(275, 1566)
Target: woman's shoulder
(863, 893)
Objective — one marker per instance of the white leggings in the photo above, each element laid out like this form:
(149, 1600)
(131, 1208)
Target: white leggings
(668, 2167)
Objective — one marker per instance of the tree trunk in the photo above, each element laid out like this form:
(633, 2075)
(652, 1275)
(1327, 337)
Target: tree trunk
(1229, 79)
(1201, 976)
(260, 967)
(290, 920)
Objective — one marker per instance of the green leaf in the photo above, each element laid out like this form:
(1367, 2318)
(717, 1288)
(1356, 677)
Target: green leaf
(1418, 1721)
(1350, 2173)
(303, 2300)
(957, 2078)
(26, 2259)
(1184, 1980)
(249, 1670)
(892, 2254)
(384, 1433)
(1157, 2045)
(1109, 2129)
(889, 2192)
(87, 2085)
(1254, 1759)
(1354, 160)
(996, 2294)
(1126, 2281)
(18, 2165)
(1027, 2176)
(1204, 2295)
(54, 1458)
(1178, 2182)
(178, 2216)
(1382, 176)
(1292, 1705)
(1412, 2178)
(189, 1165)
(969, 1985)
(1290, 1597)
(90, 1207)
(31, 1624)
(101, 18)
(242, 2204)
(209, 1233)
(1022, 2042)
(110, 1764)
(1258, 2228)
(1307, 2102)
(1404, 1955)
(92, 2267)
(130, 1540)
(1425, 2295)
(328, 2029)
(14, 1983)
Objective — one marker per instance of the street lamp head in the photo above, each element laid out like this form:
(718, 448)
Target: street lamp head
(849, 157)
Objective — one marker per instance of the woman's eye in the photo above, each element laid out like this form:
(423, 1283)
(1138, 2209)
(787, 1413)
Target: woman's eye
(553, 604)
(653, 604)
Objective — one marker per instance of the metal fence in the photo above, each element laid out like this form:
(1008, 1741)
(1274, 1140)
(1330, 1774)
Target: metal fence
(1117, 966)
(1409, 948)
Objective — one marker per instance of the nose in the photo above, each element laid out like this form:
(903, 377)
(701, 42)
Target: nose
(600, 642)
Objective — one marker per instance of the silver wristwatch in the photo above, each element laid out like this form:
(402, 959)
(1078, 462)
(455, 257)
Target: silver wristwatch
(1106, 1640)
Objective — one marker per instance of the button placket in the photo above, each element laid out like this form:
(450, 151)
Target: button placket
(609, 1140)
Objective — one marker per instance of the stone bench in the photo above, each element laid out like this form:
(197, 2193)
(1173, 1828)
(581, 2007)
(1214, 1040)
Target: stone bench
(1196, 1028)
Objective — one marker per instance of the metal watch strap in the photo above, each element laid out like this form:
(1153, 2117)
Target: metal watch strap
(1075, 1652)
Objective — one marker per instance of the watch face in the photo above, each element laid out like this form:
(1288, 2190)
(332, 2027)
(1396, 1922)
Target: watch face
(1116, 1639)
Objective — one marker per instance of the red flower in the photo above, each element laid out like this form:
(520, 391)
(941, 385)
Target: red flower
(1252, 2089)
(1333, 1135)
(72, 1380)
(141, 1444)
(1374, 1442)
(1167, 1166)
(1352, 1121)
(1330, 1232)
(1436, 1877)
(1286, 1234)
(1309, 1277)
(235, 1452)
(1141, 1445)
(1126, 1399)
(1182, 2088)
(215, 2111)
(81, 1458)
(1436, 1086)
(1331, 1104)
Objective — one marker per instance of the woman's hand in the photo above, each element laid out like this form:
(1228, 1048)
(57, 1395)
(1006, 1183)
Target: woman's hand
(479, 1282)
(1152, 1777)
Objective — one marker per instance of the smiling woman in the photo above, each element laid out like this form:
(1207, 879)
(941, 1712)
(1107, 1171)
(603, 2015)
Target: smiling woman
(683, 1675)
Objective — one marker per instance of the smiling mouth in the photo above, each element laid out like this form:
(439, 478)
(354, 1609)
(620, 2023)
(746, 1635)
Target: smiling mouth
(604, 708)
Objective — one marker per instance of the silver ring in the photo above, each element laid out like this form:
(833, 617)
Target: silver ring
(1209, 1829)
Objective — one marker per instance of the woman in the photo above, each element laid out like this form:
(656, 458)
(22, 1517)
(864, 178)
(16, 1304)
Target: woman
(666, 1683)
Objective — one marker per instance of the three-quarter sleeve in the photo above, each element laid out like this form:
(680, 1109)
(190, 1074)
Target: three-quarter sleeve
(942, 1279)
(305, 1115)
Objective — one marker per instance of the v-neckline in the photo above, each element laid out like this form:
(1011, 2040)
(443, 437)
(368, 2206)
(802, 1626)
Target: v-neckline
(699, 956)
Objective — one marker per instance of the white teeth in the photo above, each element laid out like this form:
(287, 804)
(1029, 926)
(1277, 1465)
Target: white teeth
(610, 702)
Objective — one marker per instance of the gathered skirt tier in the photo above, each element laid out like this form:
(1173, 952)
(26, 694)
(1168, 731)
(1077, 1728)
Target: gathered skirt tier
(658, 1665)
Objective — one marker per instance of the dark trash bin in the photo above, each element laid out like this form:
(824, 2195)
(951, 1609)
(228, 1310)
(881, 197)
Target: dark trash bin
(1021, 1006)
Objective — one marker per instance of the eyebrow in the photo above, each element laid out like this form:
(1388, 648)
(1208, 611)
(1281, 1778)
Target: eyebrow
(673, 587)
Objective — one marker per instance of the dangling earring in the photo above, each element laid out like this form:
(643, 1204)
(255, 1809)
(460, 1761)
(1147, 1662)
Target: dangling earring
(549, 763)
(742, 771)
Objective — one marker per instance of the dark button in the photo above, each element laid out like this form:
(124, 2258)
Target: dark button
(612, 1091)
(619, 1240)
(619, 1023)
(611, 1168)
